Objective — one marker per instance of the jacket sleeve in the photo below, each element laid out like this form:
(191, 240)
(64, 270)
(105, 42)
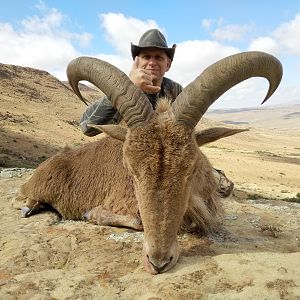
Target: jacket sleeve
(101, 112)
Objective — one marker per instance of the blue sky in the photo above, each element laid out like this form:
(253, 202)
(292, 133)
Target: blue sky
(48, 34)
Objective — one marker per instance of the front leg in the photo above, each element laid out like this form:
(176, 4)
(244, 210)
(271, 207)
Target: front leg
(100, 216)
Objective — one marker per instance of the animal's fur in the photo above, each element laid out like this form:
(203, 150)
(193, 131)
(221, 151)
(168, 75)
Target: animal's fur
(76, 181)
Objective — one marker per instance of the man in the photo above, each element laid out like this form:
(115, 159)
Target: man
(152, 59)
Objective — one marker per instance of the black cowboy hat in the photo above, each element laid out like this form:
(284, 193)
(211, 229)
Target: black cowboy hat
(152, 38)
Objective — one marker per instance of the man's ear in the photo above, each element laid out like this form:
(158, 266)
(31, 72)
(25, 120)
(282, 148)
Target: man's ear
(115, 131)
(169, 64)
(213, 134)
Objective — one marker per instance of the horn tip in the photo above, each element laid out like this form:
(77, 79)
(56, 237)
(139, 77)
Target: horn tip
(265, 100)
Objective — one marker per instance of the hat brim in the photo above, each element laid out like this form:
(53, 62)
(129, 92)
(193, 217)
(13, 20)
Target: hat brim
(135, 50)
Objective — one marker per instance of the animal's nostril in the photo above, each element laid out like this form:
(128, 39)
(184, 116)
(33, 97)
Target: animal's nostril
(159, 265)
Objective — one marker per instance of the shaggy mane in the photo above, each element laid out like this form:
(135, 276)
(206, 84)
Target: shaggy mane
(163, 105)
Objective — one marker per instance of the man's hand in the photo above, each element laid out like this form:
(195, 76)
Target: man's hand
(142, 78)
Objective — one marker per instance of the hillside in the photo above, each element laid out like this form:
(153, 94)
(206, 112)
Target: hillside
(38, 115)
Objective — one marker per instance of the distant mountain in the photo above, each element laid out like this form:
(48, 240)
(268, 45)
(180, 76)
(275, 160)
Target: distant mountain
(278, 116)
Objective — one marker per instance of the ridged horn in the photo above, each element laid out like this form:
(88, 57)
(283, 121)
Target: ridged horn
(127, 98)
(191, 104)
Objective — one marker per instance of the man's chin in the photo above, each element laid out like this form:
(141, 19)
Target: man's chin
(155, 74)
(156, 80)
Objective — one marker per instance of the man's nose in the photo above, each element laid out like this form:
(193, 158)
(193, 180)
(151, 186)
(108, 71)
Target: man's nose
(152, 61)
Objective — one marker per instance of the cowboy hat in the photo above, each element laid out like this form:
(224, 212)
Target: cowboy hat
(152, 38)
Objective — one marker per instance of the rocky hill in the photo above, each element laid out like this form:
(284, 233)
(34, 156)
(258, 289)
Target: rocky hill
(38, 115)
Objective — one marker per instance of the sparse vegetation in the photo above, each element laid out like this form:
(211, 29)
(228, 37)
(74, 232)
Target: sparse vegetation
(270, 230)
(266, 153)
(256, 196)
(294, 199)
(211, 146)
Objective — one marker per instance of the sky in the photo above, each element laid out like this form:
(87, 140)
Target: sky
(48, 34)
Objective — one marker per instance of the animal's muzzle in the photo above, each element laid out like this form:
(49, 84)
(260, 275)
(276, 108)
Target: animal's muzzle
(160, 265)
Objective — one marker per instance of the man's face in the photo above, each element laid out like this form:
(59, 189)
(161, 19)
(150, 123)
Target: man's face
(156, 61)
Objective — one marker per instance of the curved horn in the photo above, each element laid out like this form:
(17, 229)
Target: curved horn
(215, 80)
(127, 98)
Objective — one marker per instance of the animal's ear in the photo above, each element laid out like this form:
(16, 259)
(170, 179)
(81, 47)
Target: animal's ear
(116, 131)
(213, 134)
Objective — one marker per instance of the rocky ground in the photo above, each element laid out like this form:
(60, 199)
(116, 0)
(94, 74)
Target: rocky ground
(255, 255)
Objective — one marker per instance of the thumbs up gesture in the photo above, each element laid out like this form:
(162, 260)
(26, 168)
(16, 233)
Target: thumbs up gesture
(142, 78)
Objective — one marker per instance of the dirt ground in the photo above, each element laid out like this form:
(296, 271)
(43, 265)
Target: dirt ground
(260, 161)
(255, 254)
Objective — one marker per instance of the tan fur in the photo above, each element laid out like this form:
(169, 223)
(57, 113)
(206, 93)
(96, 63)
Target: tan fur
(76, 181)
(163, 105)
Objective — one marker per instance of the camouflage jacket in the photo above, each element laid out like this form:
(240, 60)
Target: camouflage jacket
(101, 112)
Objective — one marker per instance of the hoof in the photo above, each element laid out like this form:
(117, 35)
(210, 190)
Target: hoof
(86, 216)
(25, 211)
